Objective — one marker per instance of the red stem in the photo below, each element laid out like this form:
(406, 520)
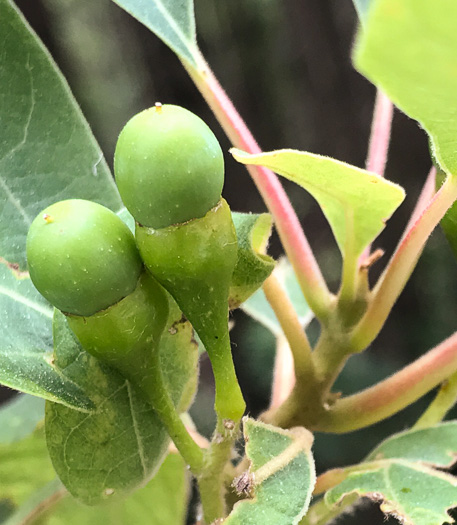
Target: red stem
(394, 393)
(287, 224)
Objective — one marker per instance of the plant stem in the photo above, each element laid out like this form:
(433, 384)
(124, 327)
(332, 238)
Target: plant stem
(290, 231)
(445, 399)
(157, 393)
(212, 481)
(378, 147)
(283, 373)
(401, 265)
(393, 394)
(292, 328)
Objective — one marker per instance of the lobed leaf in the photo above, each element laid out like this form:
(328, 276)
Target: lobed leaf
(412, 493)
(409, 49)
(356, 203)
(259, 308)
(281, 477)
(173, 21)
(108, 453)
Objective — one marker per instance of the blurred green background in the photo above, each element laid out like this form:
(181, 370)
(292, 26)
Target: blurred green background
(286, 65)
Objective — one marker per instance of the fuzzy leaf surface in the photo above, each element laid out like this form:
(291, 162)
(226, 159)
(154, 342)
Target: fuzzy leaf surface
(283, 476)
(356, 203)
(409, 49)
(259, 308)
(106, 454)
(253, 266)
(47, 153)
(173, 21)
(19, 418)
(435, 446)
(163, 501)
(413, 493)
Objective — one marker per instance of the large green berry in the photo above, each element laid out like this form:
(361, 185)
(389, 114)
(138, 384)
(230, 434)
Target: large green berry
(82, 258)
(169, 166)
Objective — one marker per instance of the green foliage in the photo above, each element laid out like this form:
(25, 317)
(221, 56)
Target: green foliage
(172, 21)
(435, 446)
(253, 266)
(259, 308)
(408, 49)
(110, 452)
(35, 97)
(163, 501)
(356, 203)
(19, 418)
(280, 479)
(413, 493)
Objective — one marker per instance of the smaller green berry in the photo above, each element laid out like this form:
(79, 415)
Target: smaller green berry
(169, 167)
(82, 258)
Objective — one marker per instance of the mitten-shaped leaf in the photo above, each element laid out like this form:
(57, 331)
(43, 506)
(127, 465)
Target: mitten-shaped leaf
(82, 258)
(169, 166)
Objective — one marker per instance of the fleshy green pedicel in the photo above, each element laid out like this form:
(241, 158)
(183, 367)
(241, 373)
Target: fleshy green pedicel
(82, 258)
(169, 166)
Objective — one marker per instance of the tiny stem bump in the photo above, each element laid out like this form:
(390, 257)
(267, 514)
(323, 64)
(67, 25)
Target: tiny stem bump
(48, 218)
(158, 107)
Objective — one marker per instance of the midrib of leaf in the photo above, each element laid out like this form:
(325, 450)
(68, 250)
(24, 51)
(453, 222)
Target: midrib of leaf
(27, 302)
(172, 22)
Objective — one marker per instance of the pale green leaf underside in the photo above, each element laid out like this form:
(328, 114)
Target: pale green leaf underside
(409, 49)
(436, 446)
(105, 455)
(162, 502)
(259, 308)
(356, 203)
(416, 494)
(19, 418)
(172, 21)
(284, 476)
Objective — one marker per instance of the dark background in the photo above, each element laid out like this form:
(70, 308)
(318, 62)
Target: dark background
(286, 64)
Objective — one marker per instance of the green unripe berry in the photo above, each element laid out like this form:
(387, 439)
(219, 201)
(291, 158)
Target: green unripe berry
(169, 166)
(82, 258)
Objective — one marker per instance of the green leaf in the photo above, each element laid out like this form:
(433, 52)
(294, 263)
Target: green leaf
(24, 467)
(47, 153)
(162, 502)
(357, 203)
(281, 478)
(362, 7)
(409, 49)
(173, 21)
(19, 418)
(26, 362)
(106, 454)
(412, 493)
(259, 308)
(436, 446)
(253, 266)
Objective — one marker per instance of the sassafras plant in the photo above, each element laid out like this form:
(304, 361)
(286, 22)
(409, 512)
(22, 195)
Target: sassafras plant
(102, 295)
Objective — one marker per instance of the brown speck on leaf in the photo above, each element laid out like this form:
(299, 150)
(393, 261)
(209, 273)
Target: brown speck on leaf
(244, 484)
(15, 268)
